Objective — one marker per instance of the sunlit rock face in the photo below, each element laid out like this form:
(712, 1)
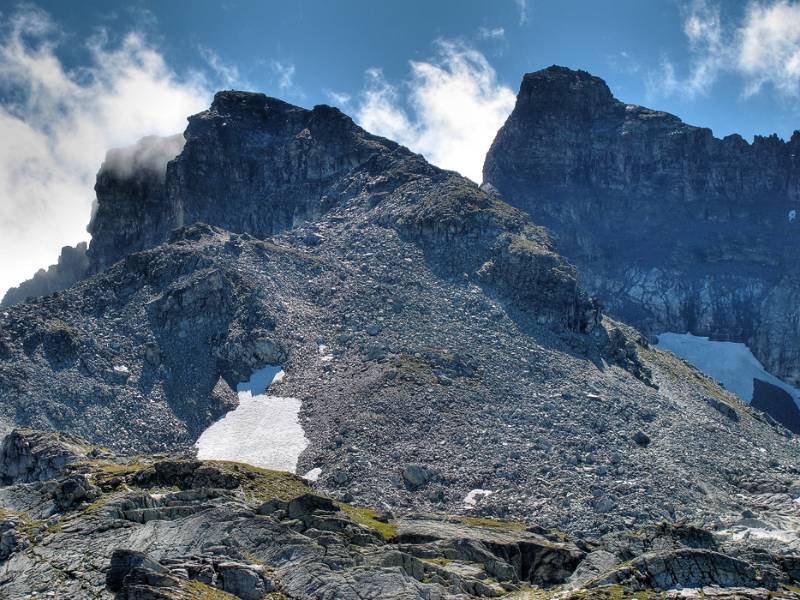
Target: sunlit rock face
(674, 229)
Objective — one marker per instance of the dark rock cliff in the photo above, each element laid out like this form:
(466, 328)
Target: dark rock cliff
(132, 211)
(674, 229)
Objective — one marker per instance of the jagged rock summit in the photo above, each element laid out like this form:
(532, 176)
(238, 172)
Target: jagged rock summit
(674, 229)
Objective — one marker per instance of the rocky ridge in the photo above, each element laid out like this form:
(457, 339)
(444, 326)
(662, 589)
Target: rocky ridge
(672, 228)
(137, 171)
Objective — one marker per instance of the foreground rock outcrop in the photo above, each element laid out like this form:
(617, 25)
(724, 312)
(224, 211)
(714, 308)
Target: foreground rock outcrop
(175, 528)
(674, 229)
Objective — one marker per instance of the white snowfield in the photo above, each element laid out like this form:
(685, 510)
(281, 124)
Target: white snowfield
(730, 363)
(263, 431)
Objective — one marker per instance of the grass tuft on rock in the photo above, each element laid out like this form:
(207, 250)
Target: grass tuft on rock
(195, 590)
(492, 523)
(260, 485)
(368, 518)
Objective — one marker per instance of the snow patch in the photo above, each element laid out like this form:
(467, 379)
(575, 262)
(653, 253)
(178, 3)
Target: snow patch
(313, 474)
(122, 370)
(471, 499)
(261, 379)
(324, 355)
(730, 363)
(263, 431)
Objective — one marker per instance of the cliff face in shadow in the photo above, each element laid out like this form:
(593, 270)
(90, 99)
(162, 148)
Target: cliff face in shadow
(674, 229)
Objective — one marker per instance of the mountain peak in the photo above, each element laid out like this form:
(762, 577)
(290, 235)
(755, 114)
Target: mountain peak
(558, 90)
(669, 225)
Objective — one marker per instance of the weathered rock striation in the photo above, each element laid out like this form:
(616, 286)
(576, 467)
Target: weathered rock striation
(673, 229)
(171, 528)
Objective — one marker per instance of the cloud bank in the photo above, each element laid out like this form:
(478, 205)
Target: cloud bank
(449, 110)
(57, 124)
(763, 49)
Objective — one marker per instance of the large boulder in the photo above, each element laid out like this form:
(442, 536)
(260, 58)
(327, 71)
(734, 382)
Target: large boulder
(28, 455)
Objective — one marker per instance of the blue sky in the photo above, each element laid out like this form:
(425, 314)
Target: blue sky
(79, 77)
(332, 44)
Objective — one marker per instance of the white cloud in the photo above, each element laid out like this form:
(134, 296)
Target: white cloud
(769, 47)
(284, 73)
(226, 73)
(491, 33)
(340, 99)
(522, 5)
(709, 50)
(456, 107)
(763, 49)
(56, 125)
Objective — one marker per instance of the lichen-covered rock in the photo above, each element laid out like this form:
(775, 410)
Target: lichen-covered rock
(73, 491)
(243, 532)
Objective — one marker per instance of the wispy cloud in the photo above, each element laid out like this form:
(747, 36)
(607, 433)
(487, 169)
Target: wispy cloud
(340, 99)
(709, 52)
(226, 73)
(58, 123)
(522, 5)
(284, 77)
(762, 49)
(624, 63)
(491, 33)
(449, 110)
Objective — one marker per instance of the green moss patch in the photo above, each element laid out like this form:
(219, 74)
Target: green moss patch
(260, 485)
(492, 523)
(367, 517)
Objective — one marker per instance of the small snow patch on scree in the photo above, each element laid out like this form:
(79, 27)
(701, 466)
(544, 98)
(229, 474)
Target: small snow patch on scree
(313, 474)
(471, 499)
(730, 363)
(263, 431)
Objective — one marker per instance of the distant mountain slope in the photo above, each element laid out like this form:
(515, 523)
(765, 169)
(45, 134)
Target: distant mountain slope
(459, 351)
(673, 229)
(71, 267)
